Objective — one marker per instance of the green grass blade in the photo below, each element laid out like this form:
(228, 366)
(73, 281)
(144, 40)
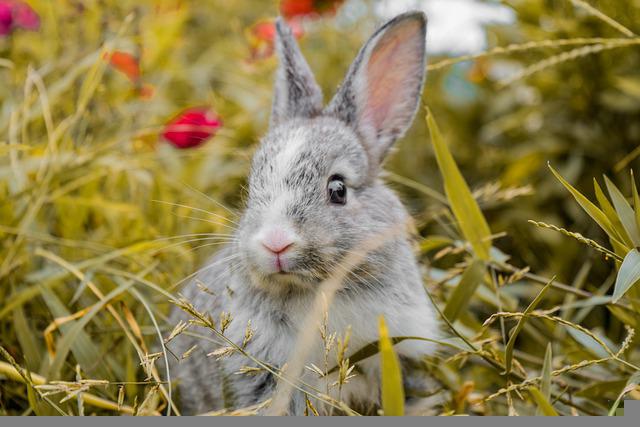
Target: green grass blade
(628, 274)
(588, 343)
(636, 200)
(391, 375)
(434, 242)
(373, 348)
(544, 406)
(25, 334)
(611, 213)
(592, 210)
(462, 294)
(632, 383)
(625, 212)
(508, 353)
(83, 349)
(66, 343)
(545, 384)
(472, 223)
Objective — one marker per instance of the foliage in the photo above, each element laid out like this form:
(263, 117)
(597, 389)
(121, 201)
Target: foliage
(390, 375)
(102, 219)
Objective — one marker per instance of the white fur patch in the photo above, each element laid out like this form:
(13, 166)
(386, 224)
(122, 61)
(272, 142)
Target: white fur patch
(284, 160)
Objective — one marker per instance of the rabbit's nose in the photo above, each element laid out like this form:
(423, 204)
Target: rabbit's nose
(277, 241)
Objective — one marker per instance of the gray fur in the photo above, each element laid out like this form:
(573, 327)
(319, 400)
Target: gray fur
(287, 186)
(296, 92)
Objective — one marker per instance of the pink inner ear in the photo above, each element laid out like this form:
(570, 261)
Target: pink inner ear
(391, 73)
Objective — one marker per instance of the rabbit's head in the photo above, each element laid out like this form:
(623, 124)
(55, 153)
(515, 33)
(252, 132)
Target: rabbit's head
(314, 191)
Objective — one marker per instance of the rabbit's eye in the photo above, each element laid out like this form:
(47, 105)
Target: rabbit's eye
(337, 190)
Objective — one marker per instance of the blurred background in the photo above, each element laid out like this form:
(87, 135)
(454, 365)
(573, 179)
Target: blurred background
(125, 124)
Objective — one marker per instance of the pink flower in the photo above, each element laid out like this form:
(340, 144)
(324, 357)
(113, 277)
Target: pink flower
(192, 127)
(17, 14)
(6, 19)
(24, 17)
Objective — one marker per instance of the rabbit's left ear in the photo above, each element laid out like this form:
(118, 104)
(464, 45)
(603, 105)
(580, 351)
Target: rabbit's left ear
(381, 92)
(296, 92)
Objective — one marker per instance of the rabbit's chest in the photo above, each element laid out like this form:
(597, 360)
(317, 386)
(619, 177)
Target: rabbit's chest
(275, 330)
(274, 341)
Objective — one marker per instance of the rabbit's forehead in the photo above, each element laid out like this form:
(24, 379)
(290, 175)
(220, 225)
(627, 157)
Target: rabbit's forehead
(299, 155)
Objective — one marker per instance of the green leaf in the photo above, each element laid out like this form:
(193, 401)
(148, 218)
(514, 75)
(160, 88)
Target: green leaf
(472, 223)
(544, 406)
(391, 375)
(26, 339)
(592, 210)
(545, 384)
(625, 212)
(622, 314)
(67, 341)
(628, 274)
(636, 200)
(463, 292)
(434, 242)
(632, 383)
(508, 352)
(51, 277)
(588, 342)
(611, 213)
(83, 349)
(373, 348)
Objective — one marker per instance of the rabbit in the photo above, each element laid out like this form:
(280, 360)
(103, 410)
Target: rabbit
(314, 193)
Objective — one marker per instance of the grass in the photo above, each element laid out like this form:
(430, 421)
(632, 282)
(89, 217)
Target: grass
(101, 221)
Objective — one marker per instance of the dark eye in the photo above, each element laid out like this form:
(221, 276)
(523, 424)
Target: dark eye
(337, 190)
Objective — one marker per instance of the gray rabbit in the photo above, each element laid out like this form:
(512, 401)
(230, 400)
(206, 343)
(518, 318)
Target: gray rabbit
(315, 194)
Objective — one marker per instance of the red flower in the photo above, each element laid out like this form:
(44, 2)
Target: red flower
(17, 14)
(264, 30)
(192, 128)
(6, 19)
(126, 63)
(262, 35)
(309, 8)
(25, 17)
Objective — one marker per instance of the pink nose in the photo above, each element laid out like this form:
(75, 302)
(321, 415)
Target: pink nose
(277, 241)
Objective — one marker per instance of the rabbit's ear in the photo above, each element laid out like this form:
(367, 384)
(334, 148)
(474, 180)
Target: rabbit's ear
(296, 92)
(382, 89)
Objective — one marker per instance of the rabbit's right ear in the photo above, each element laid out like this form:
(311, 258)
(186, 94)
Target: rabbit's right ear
(296, 92)
(380, 94)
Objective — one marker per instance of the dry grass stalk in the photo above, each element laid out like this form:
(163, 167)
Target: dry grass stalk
(326, 292)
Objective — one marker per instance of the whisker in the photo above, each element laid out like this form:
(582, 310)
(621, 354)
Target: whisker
(231, 211)
(364, 271)
(361, 280)
(208, 244)
(200, 270)
(196, 209)
(235, 268)
(172, 245)
(205, 220)
(160, 239)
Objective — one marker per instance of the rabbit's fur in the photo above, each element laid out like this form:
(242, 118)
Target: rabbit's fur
(305, 146)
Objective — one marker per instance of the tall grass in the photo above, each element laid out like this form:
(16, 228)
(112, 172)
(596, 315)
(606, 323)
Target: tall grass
(102, 221)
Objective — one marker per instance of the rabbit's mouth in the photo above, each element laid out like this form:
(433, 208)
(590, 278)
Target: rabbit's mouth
(286, 270)
(283, 280)
(276, 257)
(280, 268)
